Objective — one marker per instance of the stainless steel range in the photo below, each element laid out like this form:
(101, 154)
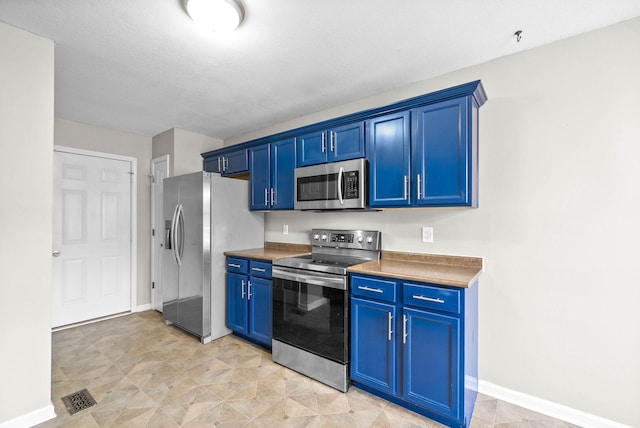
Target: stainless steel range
(311, 304)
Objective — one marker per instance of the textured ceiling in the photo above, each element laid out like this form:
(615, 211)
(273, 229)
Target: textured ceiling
(143, 66)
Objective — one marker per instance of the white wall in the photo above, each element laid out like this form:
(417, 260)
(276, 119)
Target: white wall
(184, 149)
(188, 149)
(88, 137)
(26, 168)
(162, 144)
(558, 222)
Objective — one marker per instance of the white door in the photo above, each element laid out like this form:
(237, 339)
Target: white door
(91, 237)
(159, 171)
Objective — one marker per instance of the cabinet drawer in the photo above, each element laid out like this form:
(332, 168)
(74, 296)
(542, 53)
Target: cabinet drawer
(373, 288)
(425, 296)
(237, 265)
(261, 269)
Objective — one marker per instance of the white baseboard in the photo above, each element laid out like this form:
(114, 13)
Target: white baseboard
(32, 418)
(557, 411)
(142, 308)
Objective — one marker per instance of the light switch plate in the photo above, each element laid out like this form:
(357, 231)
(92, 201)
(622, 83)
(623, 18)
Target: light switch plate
(285, 229)
(427, 234)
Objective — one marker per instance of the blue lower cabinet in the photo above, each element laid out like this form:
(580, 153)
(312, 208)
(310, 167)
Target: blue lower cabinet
(249, 299)
(416, 346)
(373, 348)
(430, 361)
(260, 310)
(236, 302)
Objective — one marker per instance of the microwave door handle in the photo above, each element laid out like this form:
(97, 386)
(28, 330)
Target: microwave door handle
(340, 182)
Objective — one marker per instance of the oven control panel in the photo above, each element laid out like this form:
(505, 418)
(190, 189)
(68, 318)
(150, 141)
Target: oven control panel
(359, 239)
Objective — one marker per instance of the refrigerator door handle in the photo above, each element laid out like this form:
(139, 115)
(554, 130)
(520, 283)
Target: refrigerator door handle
(180, 243)
(174, 226)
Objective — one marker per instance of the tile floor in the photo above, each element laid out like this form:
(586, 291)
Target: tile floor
(145, 374)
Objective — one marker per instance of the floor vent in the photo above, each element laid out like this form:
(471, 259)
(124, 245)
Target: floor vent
(78, 401)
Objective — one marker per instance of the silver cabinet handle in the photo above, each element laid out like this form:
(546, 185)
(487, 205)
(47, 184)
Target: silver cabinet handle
(406, 187)
(219, 167)
(233, 265)
(389, 329)
(365, 288)
(259, 269)
(273, 197)
(332, 140)
(225, 163)
(404, 329)
(249, 290)
(266, 196)
(429, 299)
(418, 194)
(56, 253)
(324, 145)
(242, 287)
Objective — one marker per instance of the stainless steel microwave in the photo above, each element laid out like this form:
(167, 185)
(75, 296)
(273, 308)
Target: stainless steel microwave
(331, 186)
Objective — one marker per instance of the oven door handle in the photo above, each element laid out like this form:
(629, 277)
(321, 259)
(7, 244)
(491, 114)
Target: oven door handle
(305, 277)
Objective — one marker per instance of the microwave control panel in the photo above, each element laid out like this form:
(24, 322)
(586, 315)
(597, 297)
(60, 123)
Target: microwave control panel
(351, 185)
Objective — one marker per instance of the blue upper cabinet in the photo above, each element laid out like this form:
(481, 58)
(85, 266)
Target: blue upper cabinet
(388, 152)
(443, 152)
(283, 158)
(427, 156)
(422, 152)
(335, 144)
(346, 142)
(260, 178)
(271, 179)
(312, 148)
(233, 163)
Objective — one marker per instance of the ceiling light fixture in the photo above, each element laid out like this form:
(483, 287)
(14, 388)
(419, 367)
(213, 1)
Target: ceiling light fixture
(217, 15)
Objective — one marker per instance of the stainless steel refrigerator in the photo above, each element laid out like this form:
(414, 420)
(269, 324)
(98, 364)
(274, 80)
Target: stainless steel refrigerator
(204, 216)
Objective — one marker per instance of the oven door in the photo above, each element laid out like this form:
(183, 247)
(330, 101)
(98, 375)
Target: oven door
(310, 312)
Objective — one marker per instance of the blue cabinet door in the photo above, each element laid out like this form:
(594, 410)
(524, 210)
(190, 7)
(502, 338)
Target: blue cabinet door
(346, 142)
(336, 144)
(259, 180)
(431, 366)
(236, 302)
(389, 155)
(373, 344)
(213, 164)
(441, 154)
(235, 163)
(283, 159)
(311, 149)
(260, 310)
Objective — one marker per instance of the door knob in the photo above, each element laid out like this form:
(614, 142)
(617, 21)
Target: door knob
(56, 253)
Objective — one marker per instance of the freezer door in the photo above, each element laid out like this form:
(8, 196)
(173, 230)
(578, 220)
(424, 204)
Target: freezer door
(170, 274)
(194, 298)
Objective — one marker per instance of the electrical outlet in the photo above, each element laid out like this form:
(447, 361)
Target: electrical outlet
(285, 229)
(427, 234)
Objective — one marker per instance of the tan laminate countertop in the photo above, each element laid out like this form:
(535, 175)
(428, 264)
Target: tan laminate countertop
(271, 251)
(436, 269)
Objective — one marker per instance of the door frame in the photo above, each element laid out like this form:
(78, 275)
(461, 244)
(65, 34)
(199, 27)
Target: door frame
(155, 253)
(133, 247)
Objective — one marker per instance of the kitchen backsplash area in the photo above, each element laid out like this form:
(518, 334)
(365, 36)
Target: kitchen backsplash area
(456, 231)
